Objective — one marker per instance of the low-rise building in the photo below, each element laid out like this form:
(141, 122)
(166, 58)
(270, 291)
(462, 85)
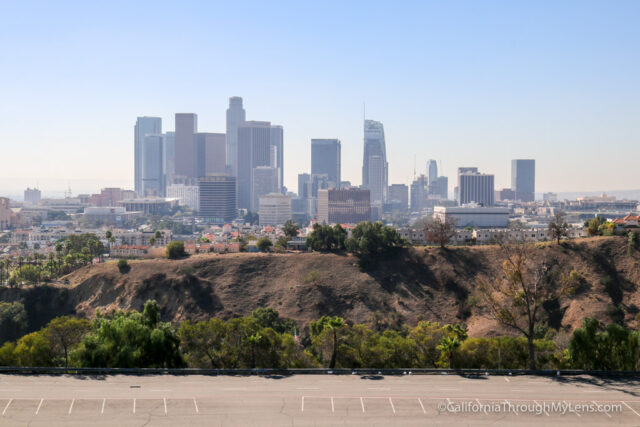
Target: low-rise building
(274, 209)
(474, 216)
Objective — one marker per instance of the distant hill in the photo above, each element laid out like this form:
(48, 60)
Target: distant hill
(417, 284)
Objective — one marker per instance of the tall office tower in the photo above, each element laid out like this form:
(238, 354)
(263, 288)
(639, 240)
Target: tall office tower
(476, 187)
(276, 138)
(265, 181)
(254, 149)
(32, 196)
(144, 126)
(153, 166)
(186, 128)
(325, 159)
(432, 170)
(460, 172)
(217, 198)
(303, 179)
(275, 209)
(399, 197)
(374, 145)
(235, 117)
(210, 153)
(342, 206)
(169, 155)
(376, 182)
(523, 179)
(418, 193)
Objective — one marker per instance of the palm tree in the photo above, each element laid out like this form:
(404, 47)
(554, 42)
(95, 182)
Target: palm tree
(109, 235)
(447, 346)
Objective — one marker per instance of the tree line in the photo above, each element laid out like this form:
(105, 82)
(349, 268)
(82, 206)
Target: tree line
(135, 339)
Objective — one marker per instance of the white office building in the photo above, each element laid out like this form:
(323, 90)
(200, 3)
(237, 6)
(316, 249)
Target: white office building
(274, 209)
(187, 195)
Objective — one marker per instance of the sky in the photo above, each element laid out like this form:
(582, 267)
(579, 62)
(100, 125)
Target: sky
(468, 83)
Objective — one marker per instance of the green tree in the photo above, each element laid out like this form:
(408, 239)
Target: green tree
(264, 244)
(558, 227)
(64, 333)
(203, 343)
(372, 241)
(13, 321)
(290, 229)
(175, 250)
(611, 348)
(28, 273)
(326, 238)
(34, 349)
(123, 266)
(270, 318)
(331, 325)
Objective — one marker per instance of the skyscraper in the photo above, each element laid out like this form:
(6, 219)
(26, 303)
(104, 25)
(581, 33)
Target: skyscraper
(476, 187)
(143, 126)
(217, 198)
(374, 145)
(210, 153)
(399, 197)
(265, 181)
(254, 149)
(523, 179)
(235, 117)
(169, 143)
(325, 159)
(277, 146)
(303, 179)
(432, 170)
(186, 127)
(153, 165)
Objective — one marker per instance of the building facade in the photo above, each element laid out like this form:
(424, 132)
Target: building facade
(265, 181)
(274, 209)
(144, 126)
(236, 115)
(187, 195)
(186, 128)
(254, 150)
(474, 187)
(399, 197)
(325, 159)
(344, 206)
(523, 179)
(211, 155)
(32, 196)
(217, 198)
(476, 217)
(375, 166)
(153, 180)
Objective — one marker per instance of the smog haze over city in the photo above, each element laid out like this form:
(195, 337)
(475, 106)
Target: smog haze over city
(465, 83)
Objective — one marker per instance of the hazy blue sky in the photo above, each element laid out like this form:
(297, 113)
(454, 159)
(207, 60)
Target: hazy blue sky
(468, 83)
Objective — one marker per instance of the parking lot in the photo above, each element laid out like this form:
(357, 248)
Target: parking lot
(315, 400)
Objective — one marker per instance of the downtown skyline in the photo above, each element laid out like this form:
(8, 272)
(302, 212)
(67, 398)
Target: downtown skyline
(482, 98)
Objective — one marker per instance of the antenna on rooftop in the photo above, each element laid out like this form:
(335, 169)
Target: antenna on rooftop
(414, 167)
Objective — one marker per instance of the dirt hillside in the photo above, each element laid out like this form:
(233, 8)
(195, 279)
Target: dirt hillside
(431, 284)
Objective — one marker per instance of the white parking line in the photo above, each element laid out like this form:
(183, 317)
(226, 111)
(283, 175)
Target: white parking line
(71, 406)
(165, 405)
(302, 408)
(134, 406)
(598, 405)
(39, 405)
(422, 406)
(543, 410)
(392, 407)
(507, 379)
(103, 402)
(514, 410)
(308, 388)
(565, 402)
(11, 400)
(483, 408)
(361, 404)
(625, 404)
(196, 405)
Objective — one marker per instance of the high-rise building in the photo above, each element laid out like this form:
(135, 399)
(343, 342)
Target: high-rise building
(169, 155)
(217, 198)
(210, 153)
(235, 117)
(419, 188)
(399, 197)
(32, 196)
(153, 180)
(254, 150)
(439, 187)
(144, 126)
(344, 206)
(523, 179)
(186, 128)
(303, 179)
(265, 181)
(187, 195)
(432, 170)
(325, 159)
(276, 139)
(476, 187)
(374, 147)
(461, 171)
(274, 209)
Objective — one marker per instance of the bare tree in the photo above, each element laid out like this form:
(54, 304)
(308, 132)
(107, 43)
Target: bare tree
(559, 227)
(516, 299)
(440, 230)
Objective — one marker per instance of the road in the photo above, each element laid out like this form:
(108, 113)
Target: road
(316, 400)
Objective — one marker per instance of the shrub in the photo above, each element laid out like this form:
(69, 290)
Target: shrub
(123, 266)
(175, 250)
(264, 244)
